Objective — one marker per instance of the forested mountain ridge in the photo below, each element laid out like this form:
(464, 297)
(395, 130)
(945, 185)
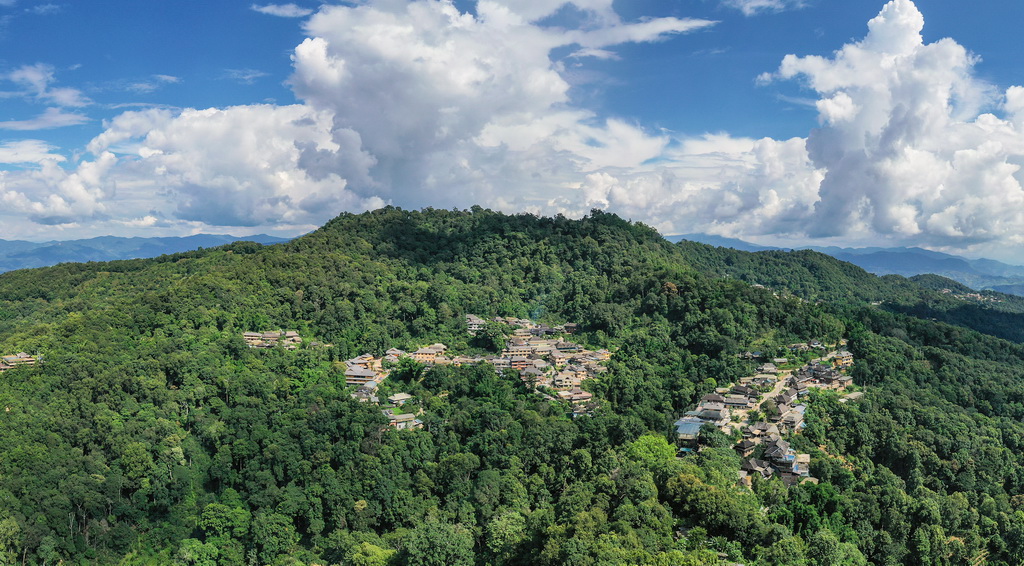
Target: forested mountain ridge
(815, 276)
(980, 274)
(152, 434)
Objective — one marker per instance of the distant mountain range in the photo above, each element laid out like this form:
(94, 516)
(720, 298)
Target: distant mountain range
(978, 274)
(19, 254)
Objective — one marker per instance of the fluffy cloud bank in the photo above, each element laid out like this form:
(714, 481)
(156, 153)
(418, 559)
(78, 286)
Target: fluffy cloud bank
(238, 166)
(909, 149)
(411, 103)
(457, 108)
(420, 104)
(906, 148)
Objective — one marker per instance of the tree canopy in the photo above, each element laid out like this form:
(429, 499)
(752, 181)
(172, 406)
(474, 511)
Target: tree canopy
(150, 432)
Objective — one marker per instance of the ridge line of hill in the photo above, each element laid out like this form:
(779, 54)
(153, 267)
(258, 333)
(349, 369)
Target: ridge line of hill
(979, 274)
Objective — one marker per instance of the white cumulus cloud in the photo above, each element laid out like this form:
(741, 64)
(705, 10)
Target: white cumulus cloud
(415, 103)
(458, 108)
(906, 146)
(240, 165)
(52, 195)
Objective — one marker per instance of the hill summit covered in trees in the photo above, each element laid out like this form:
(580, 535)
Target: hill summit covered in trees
(149, 432)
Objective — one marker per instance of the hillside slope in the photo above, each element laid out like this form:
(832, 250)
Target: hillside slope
(980, 274)
(151, 433)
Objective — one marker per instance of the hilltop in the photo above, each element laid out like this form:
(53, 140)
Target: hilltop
(150, 430)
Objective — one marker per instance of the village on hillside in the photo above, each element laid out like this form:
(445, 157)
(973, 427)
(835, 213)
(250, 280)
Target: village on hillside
(761, 408)
(777, 401)
(975, 297)
(776, 398)
(535, 351)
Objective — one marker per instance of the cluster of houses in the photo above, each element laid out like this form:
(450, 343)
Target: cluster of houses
(776, 458)
(364, 369)
(368, 369)
(806, 346)
(520, 326)
(402, 421)
(534, 351)
(290, 339)
(824, 375)
(14, 360)
(539, 359)
(397, 419)
(789, 415)
(714, 409)
(972, 296)
(433, 354)
(366, 372)
(558, 364)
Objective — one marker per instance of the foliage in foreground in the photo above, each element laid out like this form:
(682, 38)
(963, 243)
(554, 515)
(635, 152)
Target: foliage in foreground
(152, 434)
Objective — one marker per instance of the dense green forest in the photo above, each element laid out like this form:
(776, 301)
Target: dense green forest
(151, 434)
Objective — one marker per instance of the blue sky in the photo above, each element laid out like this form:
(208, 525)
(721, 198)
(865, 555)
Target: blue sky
(776, 121)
